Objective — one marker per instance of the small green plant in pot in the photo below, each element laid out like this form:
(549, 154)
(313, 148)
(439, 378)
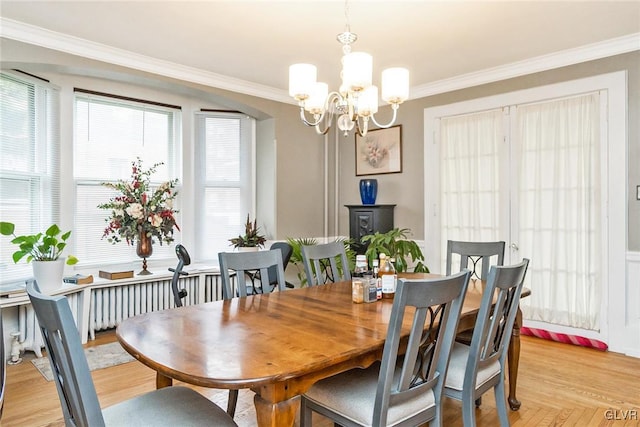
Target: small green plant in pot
(251, 237)
(396, 244)
(44, 251)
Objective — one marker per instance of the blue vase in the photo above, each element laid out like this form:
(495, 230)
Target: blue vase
(368, 191)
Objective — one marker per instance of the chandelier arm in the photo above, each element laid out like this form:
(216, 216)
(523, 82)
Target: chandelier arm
(362, 130)
(394, 107)
(317, 117)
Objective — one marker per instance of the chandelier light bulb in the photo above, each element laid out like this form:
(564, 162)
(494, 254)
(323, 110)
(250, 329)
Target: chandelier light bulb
(315, 104)
(302, 78)
(395, 85)
(368, 101)
(357, 71)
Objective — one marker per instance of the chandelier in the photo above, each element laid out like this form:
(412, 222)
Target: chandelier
(356, 101)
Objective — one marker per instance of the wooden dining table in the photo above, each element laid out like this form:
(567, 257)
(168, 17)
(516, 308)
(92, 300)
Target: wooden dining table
(275, 344)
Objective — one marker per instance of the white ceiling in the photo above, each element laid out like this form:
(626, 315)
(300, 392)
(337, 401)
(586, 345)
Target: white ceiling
(252, 43)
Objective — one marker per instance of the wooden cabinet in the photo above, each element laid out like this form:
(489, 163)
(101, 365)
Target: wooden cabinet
(367, 219)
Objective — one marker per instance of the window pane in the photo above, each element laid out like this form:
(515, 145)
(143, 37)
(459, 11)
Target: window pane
(110, 135)
(224, 192)
(29, 177)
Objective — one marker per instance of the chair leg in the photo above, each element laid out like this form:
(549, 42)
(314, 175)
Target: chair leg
(468, 411)
(232, 402)
(305, 414)
(501, 404)
(479, 402)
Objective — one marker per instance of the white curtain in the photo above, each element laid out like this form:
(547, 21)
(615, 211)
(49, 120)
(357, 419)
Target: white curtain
(554, 196)
(559, 205)
(470, 184)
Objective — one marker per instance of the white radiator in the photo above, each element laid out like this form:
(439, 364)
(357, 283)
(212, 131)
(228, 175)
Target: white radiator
(111, 305)
(30, 335)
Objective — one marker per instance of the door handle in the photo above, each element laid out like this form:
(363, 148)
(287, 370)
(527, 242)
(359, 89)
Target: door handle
(515, 247)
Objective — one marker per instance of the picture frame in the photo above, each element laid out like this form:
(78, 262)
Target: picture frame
(379, 151)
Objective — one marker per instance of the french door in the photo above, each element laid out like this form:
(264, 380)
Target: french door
(529, 174)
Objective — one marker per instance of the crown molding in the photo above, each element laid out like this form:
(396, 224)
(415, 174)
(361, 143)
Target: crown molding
(38, 36)
(536, 64)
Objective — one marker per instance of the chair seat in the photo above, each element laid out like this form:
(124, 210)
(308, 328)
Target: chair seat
(352, 395)
(187, 408)
(458, 366)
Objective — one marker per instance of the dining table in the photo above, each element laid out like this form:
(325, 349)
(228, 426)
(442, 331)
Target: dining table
(277, 344)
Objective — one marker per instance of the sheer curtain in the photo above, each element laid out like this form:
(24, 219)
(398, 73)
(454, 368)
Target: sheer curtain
(470, 171)
(559, 205)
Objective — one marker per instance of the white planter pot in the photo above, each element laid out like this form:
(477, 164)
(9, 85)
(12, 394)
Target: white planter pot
(48, 274)
(248, 249)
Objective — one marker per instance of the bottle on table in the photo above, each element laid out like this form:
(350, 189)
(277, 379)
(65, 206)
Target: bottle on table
(388, 276)
(376, 278)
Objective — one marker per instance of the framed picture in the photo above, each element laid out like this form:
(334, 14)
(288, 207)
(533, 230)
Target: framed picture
(379, 151)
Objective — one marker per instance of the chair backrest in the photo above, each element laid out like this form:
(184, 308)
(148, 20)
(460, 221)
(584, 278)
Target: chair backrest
(474, 253)
(76, 390)
(248, 262)
(496, 316)
(437, 304)
(287, 251)
(320, 263)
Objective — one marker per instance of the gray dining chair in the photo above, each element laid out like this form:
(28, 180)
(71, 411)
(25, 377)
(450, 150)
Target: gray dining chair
(76, 390)
(287, 251)
(473, 253)
(321, 263)
(401, 390)
(474, 369)
(245, 265)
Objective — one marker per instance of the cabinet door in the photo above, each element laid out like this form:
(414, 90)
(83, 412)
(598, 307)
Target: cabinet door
(362, 224)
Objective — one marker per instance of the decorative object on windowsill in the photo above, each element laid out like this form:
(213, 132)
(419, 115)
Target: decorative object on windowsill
(396, 244)
(44, 251)
(140, 213)
(251, 240)
(356, 101)
(368, 191)
(379, 152)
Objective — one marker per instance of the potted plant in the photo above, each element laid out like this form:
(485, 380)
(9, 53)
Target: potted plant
(396, 244)
(251, 237)
(44, 251)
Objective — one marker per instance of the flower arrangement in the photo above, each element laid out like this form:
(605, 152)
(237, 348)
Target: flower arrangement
(141, 209)
(373, 153)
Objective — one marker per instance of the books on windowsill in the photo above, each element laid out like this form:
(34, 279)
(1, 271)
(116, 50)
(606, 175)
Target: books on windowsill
(78, 279)
(115, 274)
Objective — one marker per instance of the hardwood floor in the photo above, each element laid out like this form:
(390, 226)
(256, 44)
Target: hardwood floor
(559, 384)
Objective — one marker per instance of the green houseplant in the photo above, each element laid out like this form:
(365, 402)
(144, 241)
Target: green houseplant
(251, 237)
(43, 251)
(395, 243)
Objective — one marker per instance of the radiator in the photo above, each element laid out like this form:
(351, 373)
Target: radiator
(111, 305)
(30, 335)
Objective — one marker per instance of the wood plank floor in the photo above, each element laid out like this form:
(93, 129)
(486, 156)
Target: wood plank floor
(559, 385)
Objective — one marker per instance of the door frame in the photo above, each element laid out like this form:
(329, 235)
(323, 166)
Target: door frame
(613, 87)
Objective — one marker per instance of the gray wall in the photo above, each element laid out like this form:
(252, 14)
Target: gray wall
(298, 199)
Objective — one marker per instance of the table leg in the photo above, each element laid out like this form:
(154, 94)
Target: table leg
(162, 381)
(279, 414)
(514, 361)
